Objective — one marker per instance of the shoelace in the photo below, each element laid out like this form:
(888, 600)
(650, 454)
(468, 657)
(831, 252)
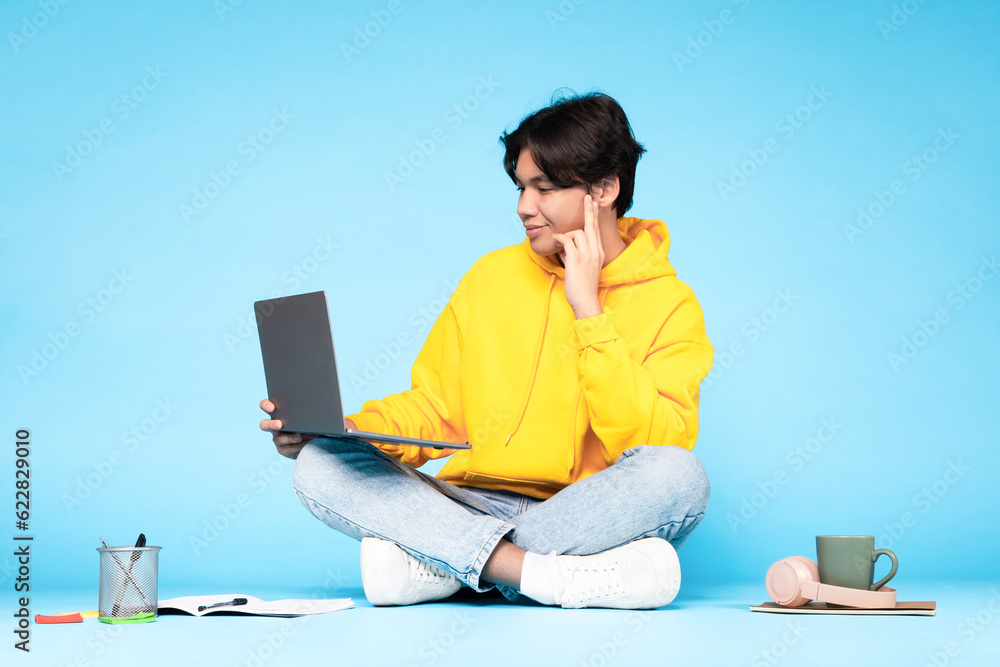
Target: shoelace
(426, 573)
(588, 582)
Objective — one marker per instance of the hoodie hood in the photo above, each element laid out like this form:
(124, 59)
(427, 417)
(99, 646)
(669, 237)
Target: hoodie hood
(645, 256)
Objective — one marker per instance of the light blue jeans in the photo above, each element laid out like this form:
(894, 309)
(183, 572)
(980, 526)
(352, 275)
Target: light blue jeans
(351, 486)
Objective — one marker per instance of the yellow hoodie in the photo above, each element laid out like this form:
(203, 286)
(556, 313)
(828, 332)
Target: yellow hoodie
(545, 399)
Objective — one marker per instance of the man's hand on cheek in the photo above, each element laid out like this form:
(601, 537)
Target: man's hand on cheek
(583, 256)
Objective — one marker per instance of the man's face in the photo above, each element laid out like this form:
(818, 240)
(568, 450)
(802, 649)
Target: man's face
(543, 208)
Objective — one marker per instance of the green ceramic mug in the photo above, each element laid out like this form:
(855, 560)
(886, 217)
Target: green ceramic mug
(849, 561)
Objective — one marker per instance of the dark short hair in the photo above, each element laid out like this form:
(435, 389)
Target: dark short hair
(579, 140)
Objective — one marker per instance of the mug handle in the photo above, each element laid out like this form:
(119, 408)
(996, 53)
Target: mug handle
(892, 572)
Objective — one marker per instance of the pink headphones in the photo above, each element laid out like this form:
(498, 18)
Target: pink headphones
(792, 582)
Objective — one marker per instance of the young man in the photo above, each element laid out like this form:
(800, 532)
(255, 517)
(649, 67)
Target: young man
(571, 363)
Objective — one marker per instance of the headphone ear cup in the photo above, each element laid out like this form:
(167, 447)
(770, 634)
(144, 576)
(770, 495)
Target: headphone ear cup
(811, 568)
(785, 578)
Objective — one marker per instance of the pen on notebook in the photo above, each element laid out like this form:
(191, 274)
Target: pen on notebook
(231, 603)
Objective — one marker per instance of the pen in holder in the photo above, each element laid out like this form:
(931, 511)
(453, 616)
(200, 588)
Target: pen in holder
(128, 584)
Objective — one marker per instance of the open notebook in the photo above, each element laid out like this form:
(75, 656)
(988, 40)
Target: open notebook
(254, 606)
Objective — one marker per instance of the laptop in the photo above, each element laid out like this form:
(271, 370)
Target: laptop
(300, 367)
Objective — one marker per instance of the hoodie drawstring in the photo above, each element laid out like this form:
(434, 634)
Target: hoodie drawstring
(537, 358)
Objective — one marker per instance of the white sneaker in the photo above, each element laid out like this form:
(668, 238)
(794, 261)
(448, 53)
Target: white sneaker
(391, 576)
(644, 574)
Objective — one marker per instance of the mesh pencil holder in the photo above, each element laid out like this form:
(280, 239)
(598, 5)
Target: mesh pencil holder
(128, 584)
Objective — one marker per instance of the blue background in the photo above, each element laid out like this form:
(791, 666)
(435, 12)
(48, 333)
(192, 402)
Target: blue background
(335, 111)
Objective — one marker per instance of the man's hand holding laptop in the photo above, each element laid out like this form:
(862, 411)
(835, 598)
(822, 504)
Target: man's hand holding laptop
(288, 444)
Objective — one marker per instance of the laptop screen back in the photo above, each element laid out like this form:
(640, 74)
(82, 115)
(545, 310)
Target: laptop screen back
(300, 365)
